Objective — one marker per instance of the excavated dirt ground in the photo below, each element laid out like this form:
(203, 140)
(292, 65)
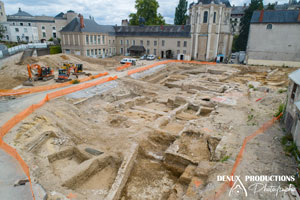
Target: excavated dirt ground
(185, 118)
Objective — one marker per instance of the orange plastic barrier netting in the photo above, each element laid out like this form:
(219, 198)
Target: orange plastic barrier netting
(22, 115)
(133, 71)
(239, 157)
(46, 87)
(123, 67)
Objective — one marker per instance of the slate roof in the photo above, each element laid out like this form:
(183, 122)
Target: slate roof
(295, 76)
(238, 10)
(276, 16)
(163, 31)
(60, 15)
(90, 26)
(22, 13)
(137, 48)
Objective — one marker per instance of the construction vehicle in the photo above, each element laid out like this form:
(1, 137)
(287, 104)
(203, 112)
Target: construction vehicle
(36, 72)
(64, 74)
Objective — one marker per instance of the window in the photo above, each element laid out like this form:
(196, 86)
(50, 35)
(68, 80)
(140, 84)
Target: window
(184, 51)
(91, 39)
(54, 28)
(121, 42)
(13, 23)
(113, 41)
(87, 39)
(133, 42)
(215, 16)
(103, 39)
(88, 52)
(148, 51)
(121, 51)
(95, 39)
(25, 30)
(18, 38)
(178, 51)
(92, 52)
(17, 30)
(7, 37)
(1, 13)
(43, 27)
(154, 52)
(142, 42)
(21, 24)
(127, 42)
(44, 34)
(54, 35)
(29, 24)
(294, 92)
(163, 43)
(99, 39)
(178, 43)
(205, 16)
(185, 44)
(155, 43)
(99, 51)
(269, 26)
(5, 28)
(148, 42)
(109, 41)
(96, 52)
(197, 18)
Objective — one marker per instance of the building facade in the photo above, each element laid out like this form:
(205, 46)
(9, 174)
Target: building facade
(211, 32)
(208, 35)
(274, 38)
(24, 27)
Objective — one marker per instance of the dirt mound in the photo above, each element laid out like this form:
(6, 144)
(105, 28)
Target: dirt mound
(65, 57)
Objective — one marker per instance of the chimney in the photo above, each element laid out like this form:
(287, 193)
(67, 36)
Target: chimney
(125, 22)
(261, 17)
(81, 21)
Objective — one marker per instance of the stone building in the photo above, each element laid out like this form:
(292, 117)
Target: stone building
(208, 35)
(274, 38)
(292, 113)
(23, 26)
(211, 32)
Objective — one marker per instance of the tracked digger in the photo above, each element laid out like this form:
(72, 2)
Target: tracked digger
(66, 70)
(36, 73)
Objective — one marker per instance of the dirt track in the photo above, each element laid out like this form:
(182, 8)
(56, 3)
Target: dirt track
(186, 119)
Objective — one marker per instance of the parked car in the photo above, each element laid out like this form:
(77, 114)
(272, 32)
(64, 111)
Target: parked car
(126, 60)
(144, 57)
(151, 57)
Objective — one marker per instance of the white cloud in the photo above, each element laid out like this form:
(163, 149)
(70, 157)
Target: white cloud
(104, 11)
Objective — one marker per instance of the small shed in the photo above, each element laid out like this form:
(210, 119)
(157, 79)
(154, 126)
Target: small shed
(136, 50)
(292, 113)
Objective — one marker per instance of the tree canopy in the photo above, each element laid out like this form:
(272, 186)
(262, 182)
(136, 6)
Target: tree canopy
(241, 42)
(180, 13)
(146, 9)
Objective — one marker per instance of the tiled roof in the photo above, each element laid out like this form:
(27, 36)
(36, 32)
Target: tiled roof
(276, 16)
(226, 2)
(90, 26)
(22, 13)
(163, 31)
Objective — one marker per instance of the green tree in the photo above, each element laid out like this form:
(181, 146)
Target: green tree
(241, 42)
(271, 6)
(146, 9)
(2, 31)
(180, 13)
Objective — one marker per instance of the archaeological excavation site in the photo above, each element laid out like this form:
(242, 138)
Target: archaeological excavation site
(157, 130)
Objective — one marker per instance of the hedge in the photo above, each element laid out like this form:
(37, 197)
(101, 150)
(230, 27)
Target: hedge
(55, 49)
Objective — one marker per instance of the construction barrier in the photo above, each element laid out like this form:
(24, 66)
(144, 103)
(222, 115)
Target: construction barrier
(46, 87)
(123, 66)
(133, 71)
(22, 115)
(239, 157)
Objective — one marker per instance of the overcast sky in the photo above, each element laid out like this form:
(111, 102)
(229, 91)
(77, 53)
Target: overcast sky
(104, 11)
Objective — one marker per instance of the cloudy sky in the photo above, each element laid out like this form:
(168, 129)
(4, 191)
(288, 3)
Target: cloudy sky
(104, 11)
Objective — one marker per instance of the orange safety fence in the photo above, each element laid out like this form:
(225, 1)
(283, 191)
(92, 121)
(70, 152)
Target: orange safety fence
(22, 115)
(133, 71)
(123, 66)
(45, 87)
(239, 157)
